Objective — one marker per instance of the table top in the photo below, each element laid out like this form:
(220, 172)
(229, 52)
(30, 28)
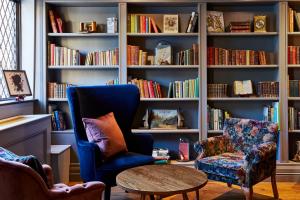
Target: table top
(161, 179)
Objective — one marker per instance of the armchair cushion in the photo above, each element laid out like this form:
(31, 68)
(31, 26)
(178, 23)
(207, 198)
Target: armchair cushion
(226, 165)
(106, 133)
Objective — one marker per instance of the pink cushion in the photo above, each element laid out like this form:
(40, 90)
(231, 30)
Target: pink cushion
(106, 133)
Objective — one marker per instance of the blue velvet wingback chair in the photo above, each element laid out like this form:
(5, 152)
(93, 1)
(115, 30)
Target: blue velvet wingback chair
(244, 155)
(95, 101)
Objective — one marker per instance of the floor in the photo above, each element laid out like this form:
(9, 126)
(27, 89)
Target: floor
(220, 191)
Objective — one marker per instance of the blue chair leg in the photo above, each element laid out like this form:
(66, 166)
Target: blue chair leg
(107, 193)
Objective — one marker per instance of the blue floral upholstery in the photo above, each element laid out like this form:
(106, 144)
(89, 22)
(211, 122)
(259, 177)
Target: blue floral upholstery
(244, 155)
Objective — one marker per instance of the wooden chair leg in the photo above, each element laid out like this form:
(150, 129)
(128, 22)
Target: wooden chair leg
(229, 185)
(248, 192)
(274, 186)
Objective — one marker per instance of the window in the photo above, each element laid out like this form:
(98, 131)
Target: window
(8, 40)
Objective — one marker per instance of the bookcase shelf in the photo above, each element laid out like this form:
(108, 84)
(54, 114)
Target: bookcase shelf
(57, 99)
(67, 131)
(244, 99)
(294, 98)
(83, 34)
(170, 99)
(163, 34)
(175, 131)
(163, 67)
(215, 131)
(294, 131)
(293, 66)
(84, 67)
(241, 66)
(251, 34)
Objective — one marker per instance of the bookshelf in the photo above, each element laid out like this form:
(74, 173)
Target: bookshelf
(275, 41)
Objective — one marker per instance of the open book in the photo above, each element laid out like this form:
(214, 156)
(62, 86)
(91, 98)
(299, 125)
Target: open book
(242, 87)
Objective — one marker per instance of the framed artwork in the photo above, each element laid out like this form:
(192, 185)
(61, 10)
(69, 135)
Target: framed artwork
(164, 119)
(17, 83)
(170, 23)
(163, 54)
(215, 21)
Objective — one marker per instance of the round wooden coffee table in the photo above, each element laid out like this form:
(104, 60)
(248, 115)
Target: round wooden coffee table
(162, 180)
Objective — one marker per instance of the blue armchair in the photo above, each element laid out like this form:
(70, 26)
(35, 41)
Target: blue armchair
(244, 155)
(95, 101)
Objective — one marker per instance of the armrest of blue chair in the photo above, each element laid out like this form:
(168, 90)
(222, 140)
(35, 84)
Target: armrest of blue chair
(140, 143)
(90, 156)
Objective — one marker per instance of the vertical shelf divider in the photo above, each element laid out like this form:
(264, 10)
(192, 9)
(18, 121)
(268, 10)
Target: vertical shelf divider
(123, 43)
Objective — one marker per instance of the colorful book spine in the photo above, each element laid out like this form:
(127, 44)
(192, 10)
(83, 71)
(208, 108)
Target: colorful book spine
(216, 118)
(184, 89)
(148, 88)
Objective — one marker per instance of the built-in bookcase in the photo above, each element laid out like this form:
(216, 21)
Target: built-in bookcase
(244, 107)
(164, 74)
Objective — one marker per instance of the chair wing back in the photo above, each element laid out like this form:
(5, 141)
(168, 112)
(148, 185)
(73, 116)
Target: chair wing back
(95, 101)
(245, 133)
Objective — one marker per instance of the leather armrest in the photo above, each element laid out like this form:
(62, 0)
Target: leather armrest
(48, 171)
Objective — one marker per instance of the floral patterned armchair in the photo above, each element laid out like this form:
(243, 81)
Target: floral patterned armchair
(244, 155)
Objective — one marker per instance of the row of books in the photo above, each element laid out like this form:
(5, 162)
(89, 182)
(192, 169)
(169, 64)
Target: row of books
(141, 24)
(294, 88)
(113, 82)
(161, 155)
(62, 55)
(57, 90)
(184, 89)
(268, 89)
(271, 112)
(293, 20)
(136, 56)
(243, 26)
(58, 122)
(103, 58)
(293, 118)
(148, 89)
(188, 56)
(293, 55)
(217, 90)
(220, 56)
(216, 118)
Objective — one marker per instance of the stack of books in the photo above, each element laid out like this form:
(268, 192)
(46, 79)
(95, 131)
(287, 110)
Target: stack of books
(293, 20)
(217, 90)
(293, 118)
(294, 89)
(293, 55)
(57, 90)
(148, 89)
(103, 58)
(56, 22)
(160, 155)
(62, 55)
(271, 112)
(58, 122)
(216, 118)
(136, 56)
(188, 56)
(184, 89)
(220, 56)
(141, 24)
(268, 89)
(240, 26)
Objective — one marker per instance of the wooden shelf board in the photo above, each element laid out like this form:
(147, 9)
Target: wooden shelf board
(294, 131)
(163, 66)
(293, 66)
(252, 34)
(294, 98)
(244, 99)
(240, 66)
(214, 131)
(162, 34)
(169, 99)
(293, 33)
(83, 34)
(67, 131)
(83, 67)
(165, 130)
(57, 99)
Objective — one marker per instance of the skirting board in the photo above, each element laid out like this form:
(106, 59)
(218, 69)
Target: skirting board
(286, 172)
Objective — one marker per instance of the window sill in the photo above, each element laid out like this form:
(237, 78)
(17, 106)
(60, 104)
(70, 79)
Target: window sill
(13, 101)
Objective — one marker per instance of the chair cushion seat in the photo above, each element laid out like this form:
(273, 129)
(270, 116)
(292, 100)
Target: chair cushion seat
(112, 167)
(229, 165)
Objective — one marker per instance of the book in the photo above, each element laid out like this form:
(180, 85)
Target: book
(242, 87)
(215, 21)
(59, 24)
(52, 21)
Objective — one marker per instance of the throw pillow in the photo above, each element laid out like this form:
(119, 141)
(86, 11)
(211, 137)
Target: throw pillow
(30, 161)
(106, 133)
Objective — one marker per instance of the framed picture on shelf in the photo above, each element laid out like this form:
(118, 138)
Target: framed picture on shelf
(170, 23)
(215, 21)
(164, 119)
(163, 54)
(17, 83)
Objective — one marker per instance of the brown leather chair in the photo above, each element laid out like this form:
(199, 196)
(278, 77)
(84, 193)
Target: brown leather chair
(18, 181)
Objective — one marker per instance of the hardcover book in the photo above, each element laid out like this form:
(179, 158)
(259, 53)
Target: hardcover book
(215, 21)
